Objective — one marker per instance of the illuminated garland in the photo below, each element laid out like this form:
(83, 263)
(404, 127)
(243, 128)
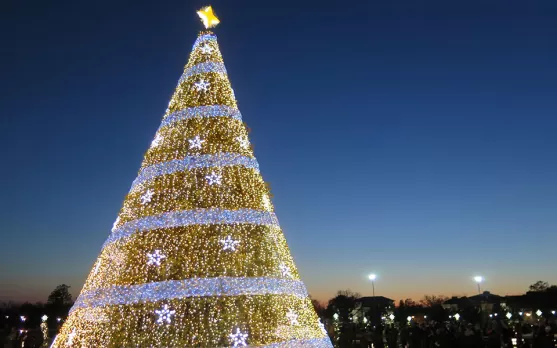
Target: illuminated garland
(202, 161)
(193, 217)
(302, 343)
(203, 38)
(202, 111)
(201, 68)
(196, 287)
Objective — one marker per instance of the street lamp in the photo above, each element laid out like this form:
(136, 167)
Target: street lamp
(479, 280)
(372, 277)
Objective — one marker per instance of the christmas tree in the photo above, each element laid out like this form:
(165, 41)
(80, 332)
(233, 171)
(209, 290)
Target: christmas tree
(196, 257)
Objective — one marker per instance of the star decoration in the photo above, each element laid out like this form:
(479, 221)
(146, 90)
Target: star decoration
(164, 314)
(155, 258)
(196, 142)
(214, 178)
(322, 327)
(293, 317)
(202, 85)
(157, 141)
(238, 338)
(116, 222)
(229, 244)
(147, 196)
(71, 337)
(285, 270)
(206, 49)
(208, 17)
(266, 202)
(244, 142)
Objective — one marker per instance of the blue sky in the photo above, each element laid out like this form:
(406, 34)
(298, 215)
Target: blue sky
(414, 140)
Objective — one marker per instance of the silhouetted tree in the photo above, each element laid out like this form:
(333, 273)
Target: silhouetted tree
(433, 300)
(60, 296)
(342, 304)
(59, 301)
(539, 286)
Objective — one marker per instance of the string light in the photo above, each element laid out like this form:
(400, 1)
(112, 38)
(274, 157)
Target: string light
(199, 192)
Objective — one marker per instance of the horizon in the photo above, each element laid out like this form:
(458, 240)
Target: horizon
(416, 143)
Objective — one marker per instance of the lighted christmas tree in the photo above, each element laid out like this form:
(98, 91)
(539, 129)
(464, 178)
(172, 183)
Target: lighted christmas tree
(196, 257)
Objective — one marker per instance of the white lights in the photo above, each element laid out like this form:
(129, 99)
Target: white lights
(196, 142)
(189, 262)
(202, 85)
(147, 196)
(509, 315)
(206, 49)
(214, 178)
(322, 327)
(335, 316)
(266, 202)
(457, 316)
(229, 244)
(285, 270)
(165, 315)
(392, 316)
(244, 142)
(553, 312)
(97, 266)
(372, 277)
(23, 318)
(409, 318)
(44, 318)
(116, 222)
(155, 258)
(238, 338)
(71, 337)
(539, 313)
(157, 141)
(292, 317)
(478, 279)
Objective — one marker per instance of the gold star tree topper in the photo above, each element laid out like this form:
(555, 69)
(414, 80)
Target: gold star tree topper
(208, 17)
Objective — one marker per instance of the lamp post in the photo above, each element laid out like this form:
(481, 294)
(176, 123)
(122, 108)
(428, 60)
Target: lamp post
(479, 280)
(372, 277)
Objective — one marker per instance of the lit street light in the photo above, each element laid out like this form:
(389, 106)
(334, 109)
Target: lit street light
(372, 277)
(479, 280)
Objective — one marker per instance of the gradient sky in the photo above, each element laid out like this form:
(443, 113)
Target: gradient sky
(414, 139)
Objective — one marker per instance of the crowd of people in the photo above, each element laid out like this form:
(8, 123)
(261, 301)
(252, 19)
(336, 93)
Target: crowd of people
(462, 335)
